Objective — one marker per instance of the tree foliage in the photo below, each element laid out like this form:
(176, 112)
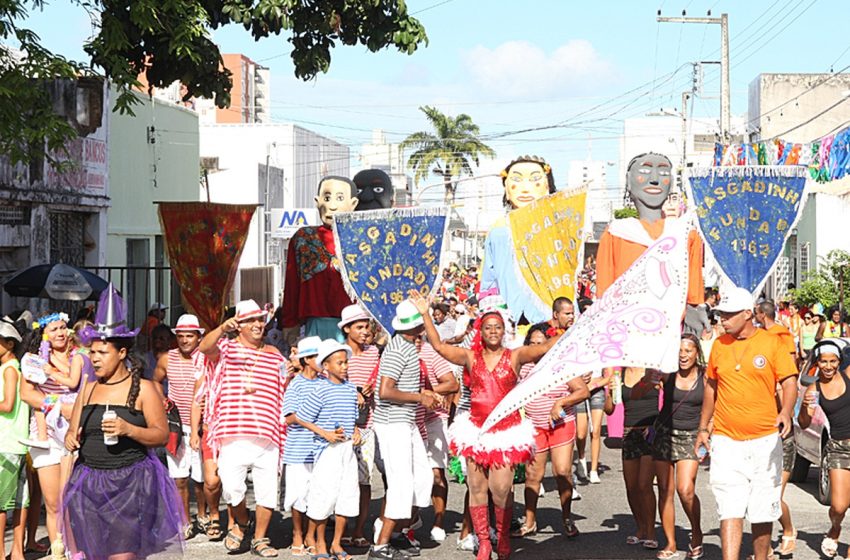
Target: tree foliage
(449, 151)
(627, 212)
(169, 41)
(822, 285)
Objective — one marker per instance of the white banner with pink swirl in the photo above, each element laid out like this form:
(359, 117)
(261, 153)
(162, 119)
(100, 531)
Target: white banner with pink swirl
(636, 323)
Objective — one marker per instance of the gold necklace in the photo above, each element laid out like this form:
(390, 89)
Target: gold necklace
(738, 359)
(247, 380)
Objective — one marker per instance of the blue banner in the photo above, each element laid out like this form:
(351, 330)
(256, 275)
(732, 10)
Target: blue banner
(745, 215)
(384, 254)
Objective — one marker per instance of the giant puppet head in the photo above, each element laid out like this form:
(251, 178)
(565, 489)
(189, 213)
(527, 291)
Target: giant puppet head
(374, 190)
(648, 181)
(526, 179)
(336, 194)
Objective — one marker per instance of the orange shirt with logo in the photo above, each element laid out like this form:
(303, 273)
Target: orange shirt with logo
(746, 372)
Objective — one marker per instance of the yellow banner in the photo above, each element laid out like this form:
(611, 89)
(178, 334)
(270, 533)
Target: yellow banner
(547, 239)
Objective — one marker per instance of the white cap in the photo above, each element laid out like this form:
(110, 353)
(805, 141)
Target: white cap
(248, 309)
(7, 330)
(460, 309)
(308, 346)
(735, 299)
(352, 313)
(407, 317)
(329, 347)
(188, 322)
(157, 307)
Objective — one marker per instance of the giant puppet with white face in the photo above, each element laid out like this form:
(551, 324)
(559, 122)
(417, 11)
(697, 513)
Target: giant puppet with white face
(314, 295)
(525, 180)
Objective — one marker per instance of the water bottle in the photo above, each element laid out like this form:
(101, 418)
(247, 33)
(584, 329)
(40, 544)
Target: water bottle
(109, 415)
(816, 401)
(616, 388)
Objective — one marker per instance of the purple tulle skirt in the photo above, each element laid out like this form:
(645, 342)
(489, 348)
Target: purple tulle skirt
(134, 510)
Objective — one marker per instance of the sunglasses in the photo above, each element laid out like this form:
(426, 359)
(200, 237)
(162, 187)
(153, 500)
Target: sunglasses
(252, 320)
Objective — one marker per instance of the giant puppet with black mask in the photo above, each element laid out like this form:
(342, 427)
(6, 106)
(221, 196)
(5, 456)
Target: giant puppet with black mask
(648, 181)
(374, 190)
(313, 294)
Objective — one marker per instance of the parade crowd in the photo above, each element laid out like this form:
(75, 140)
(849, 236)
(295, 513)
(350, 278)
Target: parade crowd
(116, 438)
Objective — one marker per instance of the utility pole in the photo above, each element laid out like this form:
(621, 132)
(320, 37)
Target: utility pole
(725, 104)
(684, 110)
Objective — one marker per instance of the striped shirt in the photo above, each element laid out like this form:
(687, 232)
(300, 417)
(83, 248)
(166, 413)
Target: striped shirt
(539, 409)
(328, 406)
(249, 393)
(361, 368)
(437, 368)
(465, 401)
(399, 362)
(182, 374)
(299, 440)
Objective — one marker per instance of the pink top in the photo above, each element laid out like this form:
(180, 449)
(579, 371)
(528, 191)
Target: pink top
(540, 408)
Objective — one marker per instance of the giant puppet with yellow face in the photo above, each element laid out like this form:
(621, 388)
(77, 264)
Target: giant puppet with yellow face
(313, 293)
(525, 180)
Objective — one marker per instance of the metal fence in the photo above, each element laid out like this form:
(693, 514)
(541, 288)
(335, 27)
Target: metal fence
(142, 286)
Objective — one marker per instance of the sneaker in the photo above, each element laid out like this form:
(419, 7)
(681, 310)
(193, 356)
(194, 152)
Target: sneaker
(581, 469)
(387, 553)
(438, 534)
(37, 443)
(402, 544)
(542, 491)
(576, 494)
(594, 477)
(410, 535)
(469, 543)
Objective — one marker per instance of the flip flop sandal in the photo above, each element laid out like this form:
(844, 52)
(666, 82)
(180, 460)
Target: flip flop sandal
(695, 552)
(360, 542)
(667, 554)
(340, 555)
(202, 523)
(770, 556)
(787, 546)
(263, 548)
(829, 547)
(310, 550)
(570, 529)
(632, 539)
(298, 550)
(320, 557)
(649, 544)
(525, 531)
(37, 548)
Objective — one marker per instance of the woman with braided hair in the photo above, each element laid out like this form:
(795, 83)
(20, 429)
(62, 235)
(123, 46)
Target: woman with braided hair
(120, 501)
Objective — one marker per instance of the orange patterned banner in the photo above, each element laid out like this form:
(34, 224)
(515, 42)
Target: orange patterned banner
(205, 241)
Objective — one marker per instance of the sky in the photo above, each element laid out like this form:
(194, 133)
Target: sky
(576, 68)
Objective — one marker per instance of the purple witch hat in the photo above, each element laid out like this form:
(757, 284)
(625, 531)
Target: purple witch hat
(111, 318)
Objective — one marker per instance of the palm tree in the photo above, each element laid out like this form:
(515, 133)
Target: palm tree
(447, 152)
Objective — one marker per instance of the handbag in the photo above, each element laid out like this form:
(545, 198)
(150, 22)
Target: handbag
(651, 431)
(175, 428)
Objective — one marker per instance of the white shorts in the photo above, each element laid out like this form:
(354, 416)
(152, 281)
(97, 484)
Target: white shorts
(47, 457)
(746, 477)
(438, 444)
(409, 476)
(365, 453)
(297, 486)
(334, 488)
(187, 462)
(237, 455)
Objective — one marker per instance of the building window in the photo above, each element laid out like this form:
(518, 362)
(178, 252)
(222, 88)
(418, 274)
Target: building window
(67, 238)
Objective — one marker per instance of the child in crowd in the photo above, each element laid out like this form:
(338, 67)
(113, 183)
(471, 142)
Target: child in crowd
(330, 412)
(298, 450)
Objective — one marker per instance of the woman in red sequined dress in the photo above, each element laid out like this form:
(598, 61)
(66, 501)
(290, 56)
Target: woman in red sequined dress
(490, 373)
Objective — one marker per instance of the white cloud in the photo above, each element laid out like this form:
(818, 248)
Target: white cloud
(520, 68)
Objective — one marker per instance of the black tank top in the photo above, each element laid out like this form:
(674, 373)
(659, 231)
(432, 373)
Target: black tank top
(640, 412)
(837, 411)
(96, 454)
(682, 408)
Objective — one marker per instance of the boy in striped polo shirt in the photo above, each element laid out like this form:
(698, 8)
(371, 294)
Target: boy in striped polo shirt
(362, 373)
(246, 430)
(298, 451)
(403, 452)
(177, 368)
(329, 412)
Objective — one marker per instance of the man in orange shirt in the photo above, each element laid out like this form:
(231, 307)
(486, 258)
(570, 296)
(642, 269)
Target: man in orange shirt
(744, 368)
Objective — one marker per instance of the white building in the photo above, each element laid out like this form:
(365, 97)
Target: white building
(237, 157)
(601, 201)
(803, 108)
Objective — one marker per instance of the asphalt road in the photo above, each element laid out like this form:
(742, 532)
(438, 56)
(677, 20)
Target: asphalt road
(602, 516)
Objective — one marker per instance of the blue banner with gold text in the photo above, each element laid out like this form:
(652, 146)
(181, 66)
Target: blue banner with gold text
(384, 254)
(745, 215)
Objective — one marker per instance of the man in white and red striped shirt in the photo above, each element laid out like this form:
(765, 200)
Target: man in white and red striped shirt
(362, 373)
(247, 431)
(177, 368)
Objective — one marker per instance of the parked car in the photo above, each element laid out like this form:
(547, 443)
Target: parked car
(811, 441)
